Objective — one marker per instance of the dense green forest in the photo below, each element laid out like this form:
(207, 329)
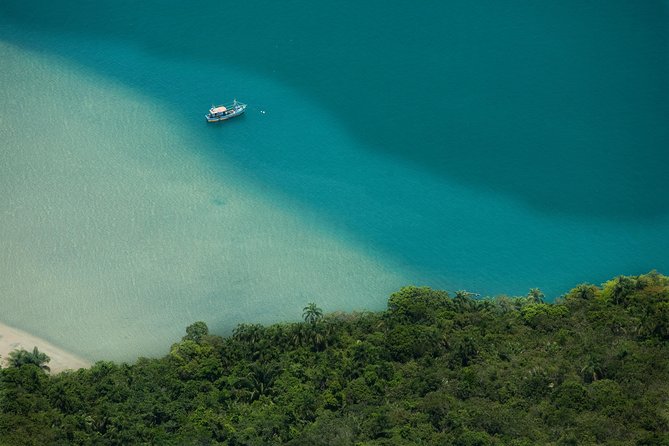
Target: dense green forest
(590, 368)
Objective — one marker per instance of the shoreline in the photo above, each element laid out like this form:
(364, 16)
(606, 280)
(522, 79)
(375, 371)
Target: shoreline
(13, 338)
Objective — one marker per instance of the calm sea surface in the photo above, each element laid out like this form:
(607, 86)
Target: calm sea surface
(481, 145)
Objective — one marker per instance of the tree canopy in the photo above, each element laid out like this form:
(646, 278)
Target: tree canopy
(20, 357)
(589, 368)
(312, 313)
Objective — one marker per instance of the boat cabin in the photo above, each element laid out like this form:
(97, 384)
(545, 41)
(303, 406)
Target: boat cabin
(223, 112)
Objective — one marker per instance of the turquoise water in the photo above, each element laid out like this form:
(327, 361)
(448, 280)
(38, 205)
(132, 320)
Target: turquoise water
(490, 146)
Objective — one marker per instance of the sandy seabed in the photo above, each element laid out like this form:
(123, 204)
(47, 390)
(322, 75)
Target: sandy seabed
(13, 338)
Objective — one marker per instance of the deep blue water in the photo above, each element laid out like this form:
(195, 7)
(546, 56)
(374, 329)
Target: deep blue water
(492, 146)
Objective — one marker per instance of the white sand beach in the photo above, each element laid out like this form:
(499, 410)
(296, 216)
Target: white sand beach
(13, 338)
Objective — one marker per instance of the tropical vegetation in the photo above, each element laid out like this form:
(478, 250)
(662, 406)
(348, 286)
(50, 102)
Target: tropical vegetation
(590, 368)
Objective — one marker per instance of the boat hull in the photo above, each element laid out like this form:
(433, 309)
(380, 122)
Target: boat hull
(224, 117)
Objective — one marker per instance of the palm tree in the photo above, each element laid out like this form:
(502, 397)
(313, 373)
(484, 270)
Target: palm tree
(297, 335)
(584, 291)
(258, 381)
(321, 334)
(248, 333)
(591, 371)
(535, 296)
(504, 304)
(463, 300)
(311, 313)
(462, 294)
(466, 350)
(17, 358)
(622, 288)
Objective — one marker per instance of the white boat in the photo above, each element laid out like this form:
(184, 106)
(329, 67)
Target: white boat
(227, 111)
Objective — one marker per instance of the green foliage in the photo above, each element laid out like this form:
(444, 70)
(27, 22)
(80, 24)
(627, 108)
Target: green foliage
(535, 296)
(583, 292)
(196, 331)
(540, 315)
(589, 370)
(311, 313)
(618, 289)
(21, 357)
(418, 304)
(405, 342)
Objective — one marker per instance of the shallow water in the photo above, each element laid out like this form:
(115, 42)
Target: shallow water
(464, 145)
(116, 235)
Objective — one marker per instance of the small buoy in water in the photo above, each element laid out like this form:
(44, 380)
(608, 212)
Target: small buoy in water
(262, 111)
